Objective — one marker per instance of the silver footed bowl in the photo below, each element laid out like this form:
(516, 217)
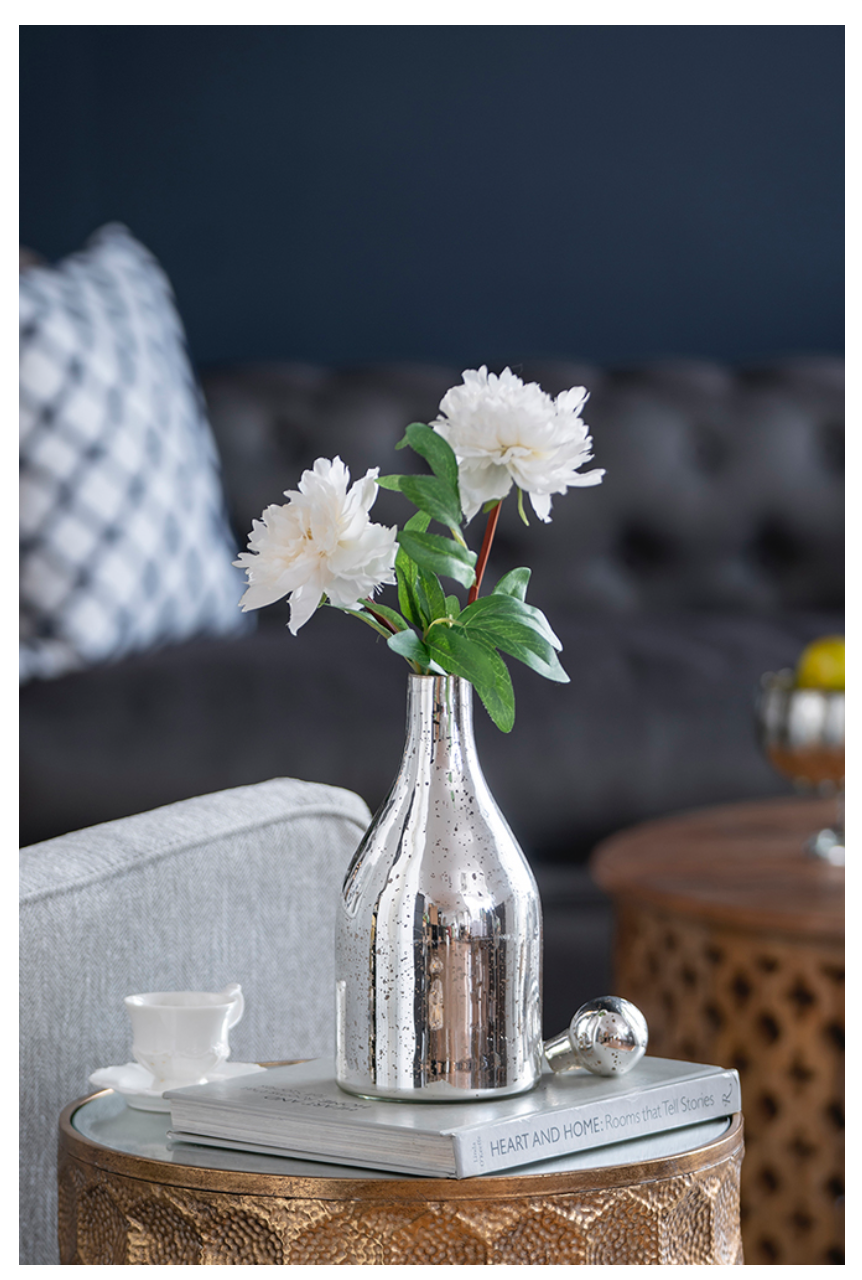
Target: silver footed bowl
(801, 733)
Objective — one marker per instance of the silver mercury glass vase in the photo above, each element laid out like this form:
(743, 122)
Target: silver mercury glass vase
(438, 956)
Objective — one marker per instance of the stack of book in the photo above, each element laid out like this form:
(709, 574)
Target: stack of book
(300, 1112)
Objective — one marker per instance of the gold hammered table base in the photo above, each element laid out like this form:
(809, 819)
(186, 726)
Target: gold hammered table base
(117, 1209)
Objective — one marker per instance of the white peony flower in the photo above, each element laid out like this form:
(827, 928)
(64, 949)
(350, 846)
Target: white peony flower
(505, 431)
(320, 543)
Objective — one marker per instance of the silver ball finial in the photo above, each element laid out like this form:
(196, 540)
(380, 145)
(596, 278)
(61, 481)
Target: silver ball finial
(607, 1036)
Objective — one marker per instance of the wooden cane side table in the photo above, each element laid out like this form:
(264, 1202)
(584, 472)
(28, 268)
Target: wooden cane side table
(128, 1198)
(731, 940)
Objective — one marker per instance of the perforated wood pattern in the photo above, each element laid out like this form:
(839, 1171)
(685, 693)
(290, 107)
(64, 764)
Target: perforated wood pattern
(766, 1000)
(689, 1215)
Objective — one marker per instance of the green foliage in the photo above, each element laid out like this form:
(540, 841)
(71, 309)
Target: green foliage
(368, 620)
(477, 661)
(391, 616)
(408, 644)
(514, 583)
(438, 495)
(516, 629)
(429, 495)
(430, 595)
(436, 451)
(406, 571)
(439, 555)
(462, 641)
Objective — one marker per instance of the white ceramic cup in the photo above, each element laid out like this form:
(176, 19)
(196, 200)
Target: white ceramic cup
(180, 1036)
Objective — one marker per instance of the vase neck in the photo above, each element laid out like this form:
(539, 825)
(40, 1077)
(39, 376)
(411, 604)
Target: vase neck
(440, 727)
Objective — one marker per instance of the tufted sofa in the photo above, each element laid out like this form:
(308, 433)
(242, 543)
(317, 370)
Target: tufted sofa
(711, 553)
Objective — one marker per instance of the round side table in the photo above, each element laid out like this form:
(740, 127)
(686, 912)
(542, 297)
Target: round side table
(731, 940)
(128, 1198)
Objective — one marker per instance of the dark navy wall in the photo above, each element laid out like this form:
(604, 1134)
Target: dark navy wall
(455, 194)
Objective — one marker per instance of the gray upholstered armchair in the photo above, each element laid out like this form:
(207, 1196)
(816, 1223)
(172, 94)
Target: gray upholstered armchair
(236, 886)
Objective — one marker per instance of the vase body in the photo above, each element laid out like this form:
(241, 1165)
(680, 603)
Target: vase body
(438, 953)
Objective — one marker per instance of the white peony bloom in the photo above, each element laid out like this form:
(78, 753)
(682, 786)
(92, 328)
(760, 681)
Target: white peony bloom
(505, 431)
(320, 543)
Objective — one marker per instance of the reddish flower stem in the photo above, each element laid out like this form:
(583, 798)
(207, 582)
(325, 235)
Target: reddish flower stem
(490, 530)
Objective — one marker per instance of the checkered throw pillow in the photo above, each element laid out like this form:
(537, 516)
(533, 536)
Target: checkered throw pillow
(123, 538)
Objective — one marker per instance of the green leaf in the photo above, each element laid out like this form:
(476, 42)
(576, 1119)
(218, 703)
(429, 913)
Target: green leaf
(418, 523)
(541, 624)
(406, 571)
(478, 662)
(409, 646)
(439, 555)
(504, 606)
(408, 600)
(535, 653)
(518, 639)
(367, 618)
(429, 494)
(404, 442)
(453, 606)
(428, 584)
(436, 452)
(390, 615)
(514, 584)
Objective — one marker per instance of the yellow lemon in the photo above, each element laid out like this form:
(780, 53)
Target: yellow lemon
(821, 664)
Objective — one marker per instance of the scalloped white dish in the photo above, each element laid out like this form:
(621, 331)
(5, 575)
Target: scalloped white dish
(136, 1084)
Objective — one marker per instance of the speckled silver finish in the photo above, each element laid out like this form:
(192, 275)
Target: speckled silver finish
(438, 953)
(607, 1036)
